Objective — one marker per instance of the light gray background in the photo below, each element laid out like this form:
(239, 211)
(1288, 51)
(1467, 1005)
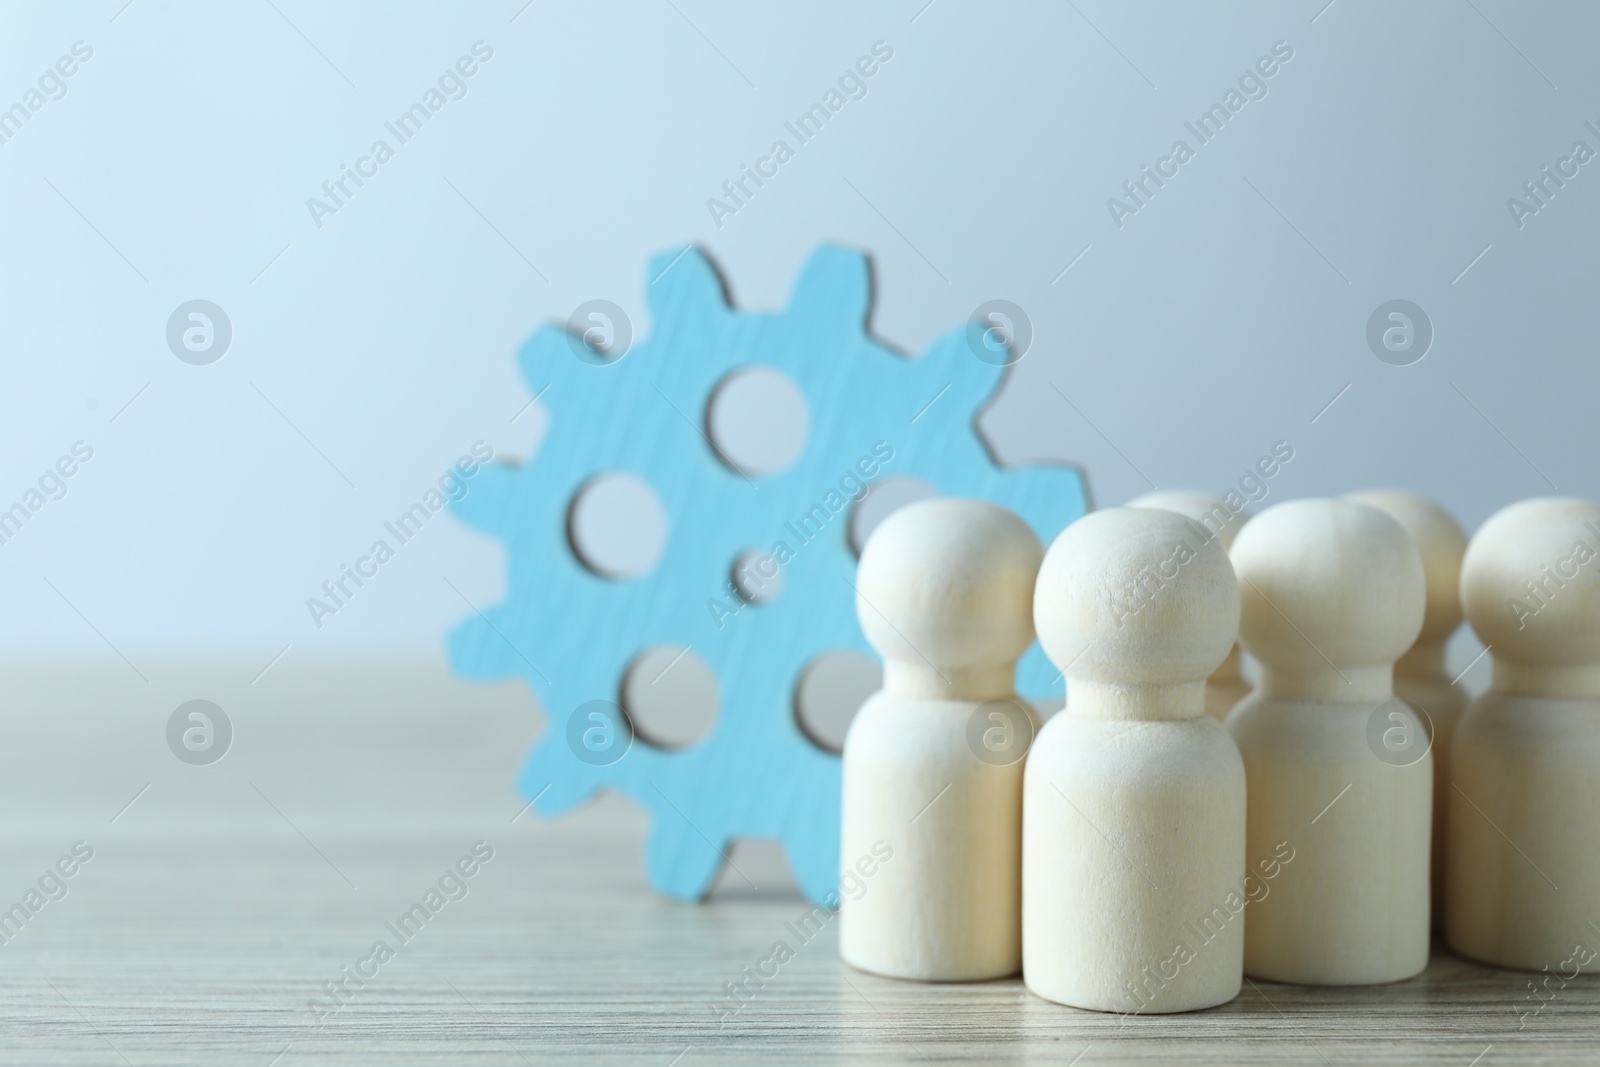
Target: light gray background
(1223, 317)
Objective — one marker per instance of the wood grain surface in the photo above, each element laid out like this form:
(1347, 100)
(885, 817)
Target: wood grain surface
(221, 900)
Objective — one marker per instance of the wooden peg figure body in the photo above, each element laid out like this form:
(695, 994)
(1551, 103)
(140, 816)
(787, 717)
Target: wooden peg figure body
(1339, 770)
(1420, 677)
(1227, 685)
(1134, 800)
(933, 762)
(1524, 861)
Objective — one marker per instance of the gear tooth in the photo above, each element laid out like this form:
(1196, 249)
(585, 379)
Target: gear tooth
(681, 280)
(813, 845)
(834, 287)
(477, 652)
(553, 789)
(951, 359)
(484, 506)
(682, 863)
(546, 356)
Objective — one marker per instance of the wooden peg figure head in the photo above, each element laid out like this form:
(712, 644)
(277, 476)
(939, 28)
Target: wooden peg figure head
(1131, 601)
(1207, 510)
(1441, 543)
(1530, 584)
(944, 592)
(1333, 594)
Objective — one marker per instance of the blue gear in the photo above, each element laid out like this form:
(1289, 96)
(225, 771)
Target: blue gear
(572, 635)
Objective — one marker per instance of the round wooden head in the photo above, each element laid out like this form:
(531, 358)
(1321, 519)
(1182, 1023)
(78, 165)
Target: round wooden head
(949, 583)
(1440, 542)
(1530, 582)
(1203, 508)
(1137, 596)
(1328, 582)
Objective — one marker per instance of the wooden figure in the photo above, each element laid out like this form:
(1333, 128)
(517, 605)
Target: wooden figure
(1227, 685)
(1524, 860)
(1339, 770)
(1134, 799)
(933, 762)
(1420, 677)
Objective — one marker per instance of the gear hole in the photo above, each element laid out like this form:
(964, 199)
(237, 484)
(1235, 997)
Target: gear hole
(756, 576)
(617, 526)
(831, 689)
(670, 696)
(758, 420)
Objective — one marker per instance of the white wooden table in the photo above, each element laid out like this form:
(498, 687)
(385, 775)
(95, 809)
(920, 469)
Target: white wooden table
(218, 904)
